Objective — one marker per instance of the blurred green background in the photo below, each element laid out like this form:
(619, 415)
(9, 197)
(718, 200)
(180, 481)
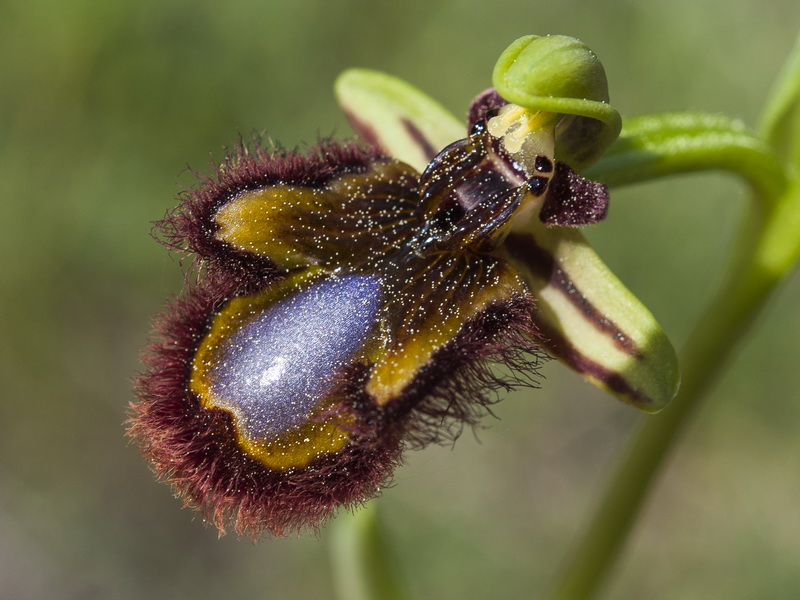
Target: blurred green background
(104, 105)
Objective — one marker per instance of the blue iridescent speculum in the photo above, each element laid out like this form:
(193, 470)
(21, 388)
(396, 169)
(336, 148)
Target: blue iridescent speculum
(272, 364)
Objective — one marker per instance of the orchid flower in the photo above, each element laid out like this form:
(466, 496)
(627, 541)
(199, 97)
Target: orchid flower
(352, 300)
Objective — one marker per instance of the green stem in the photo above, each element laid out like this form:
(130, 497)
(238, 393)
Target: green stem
(363, 567)
(767, 248)
(654, 146)
(780, 124)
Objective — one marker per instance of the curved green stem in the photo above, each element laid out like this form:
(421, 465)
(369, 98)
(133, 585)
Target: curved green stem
(654, 146)
(767, 248)
(362, 564)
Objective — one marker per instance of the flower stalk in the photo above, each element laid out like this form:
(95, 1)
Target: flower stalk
(361, 561)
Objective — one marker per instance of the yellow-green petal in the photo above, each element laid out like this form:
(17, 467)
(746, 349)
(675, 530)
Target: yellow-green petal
(592, 322)
(396, 117)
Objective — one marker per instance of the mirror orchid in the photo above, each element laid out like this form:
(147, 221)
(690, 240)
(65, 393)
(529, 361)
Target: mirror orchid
(351, 300)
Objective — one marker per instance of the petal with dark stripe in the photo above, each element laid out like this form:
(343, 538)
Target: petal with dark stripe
(590, 320)
(395, 117)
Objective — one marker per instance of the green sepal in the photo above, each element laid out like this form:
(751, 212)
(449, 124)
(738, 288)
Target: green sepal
(590, 320)
(396, 117)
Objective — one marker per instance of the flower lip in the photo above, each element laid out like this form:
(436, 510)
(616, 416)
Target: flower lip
(429, 323)
(195, 449)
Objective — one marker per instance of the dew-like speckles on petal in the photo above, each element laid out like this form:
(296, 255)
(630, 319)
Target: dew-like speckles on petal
(344, 311)
(272, 371)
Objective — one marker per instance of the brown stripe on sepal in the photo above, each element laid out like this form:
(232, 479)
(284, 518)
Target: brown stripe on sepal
(612, 380)
(416, 134)
(538, 260)
(364, 131)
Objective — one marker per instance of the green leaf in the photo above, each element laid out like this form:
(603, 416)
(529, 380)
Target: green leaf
(396, 117)
(364, 568)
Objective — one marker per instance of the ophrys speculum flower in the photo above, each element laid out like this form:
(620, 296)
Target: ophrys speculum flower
(349, 305)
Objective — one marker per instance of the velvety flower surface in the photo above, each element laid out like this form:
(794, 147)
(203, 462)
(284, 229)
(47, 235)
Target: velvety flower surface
(349, 304)
(331, 326)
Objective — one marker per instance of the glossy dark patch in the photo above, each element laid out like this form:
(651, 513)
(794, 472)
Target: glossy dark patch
(484, 106)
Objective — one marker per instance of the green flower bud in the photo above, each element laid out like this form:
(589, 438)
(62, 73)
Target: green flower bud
(561, 75)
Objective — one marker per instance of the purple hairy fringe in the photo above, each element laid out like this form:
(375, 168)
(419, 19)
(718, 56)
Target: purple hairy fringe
(191, 225)
(195, 449)
(573, 201)
(461, 383)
